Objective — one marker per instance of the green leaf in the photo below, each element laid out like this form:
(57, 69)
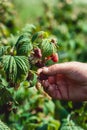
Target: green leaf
(1, 50)
(5, 96)
(44, 127)
(33, 81)
(51, 127)
(25, 48)
(3, 82)
(23, 45)
(68, 124)
(13, 69)
(47, 48)
(3, 126)
(34, 37)
(22, 63)
(10, 67)
(30, 126)
(47, 108)
(15, 66)
(38, 36)
(55, 124)
(29, 28)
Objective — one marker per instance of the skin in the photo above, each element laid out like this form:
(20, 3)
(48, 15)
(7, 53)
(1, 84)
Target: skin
(66, 81)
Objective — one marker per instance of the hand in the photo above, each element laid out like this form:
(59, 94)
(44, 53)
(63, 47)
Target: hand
(66, 81)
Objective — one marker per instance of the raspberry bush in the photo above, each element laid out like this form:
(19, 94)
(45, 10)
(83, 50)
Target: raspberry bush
(18, 63)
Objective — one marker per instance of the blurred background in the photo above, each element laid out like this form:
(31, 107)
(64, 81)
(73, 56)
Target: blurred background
(28, 10)
(65, 19)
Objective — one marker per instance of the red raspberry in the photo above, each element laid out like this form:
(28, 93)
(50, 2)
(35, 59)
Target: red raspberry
(55, 57)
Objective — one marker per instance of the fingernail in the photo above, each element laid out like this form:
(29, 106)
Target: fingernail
(45, 69)
(39, 71)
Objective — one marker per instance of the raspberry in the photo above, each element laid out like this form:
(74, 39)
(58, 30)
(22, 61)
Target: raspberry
(37, 53)
(43, 76)
(39, 64)
(54, 57)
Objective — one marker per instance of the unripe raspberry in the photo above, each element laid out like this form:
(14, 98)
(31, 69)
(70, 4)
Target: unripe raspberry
(37, 53)
(39, 64)
(42, 76)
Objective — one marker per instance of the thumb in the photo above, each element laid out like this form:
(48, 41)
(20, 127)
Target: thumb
(62, 68)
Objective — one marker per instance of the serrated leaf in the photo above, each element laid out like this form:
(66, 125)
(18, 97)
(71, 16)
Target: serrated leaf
(10, 67)
(34, 37)
(14, 65)
(5, 59)
(38, 36)
(3, 126)
(22, 63)
(69, 125)
(25, 48)
(23, 45)
(47, 48)
(1, 50)
(29, 28)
